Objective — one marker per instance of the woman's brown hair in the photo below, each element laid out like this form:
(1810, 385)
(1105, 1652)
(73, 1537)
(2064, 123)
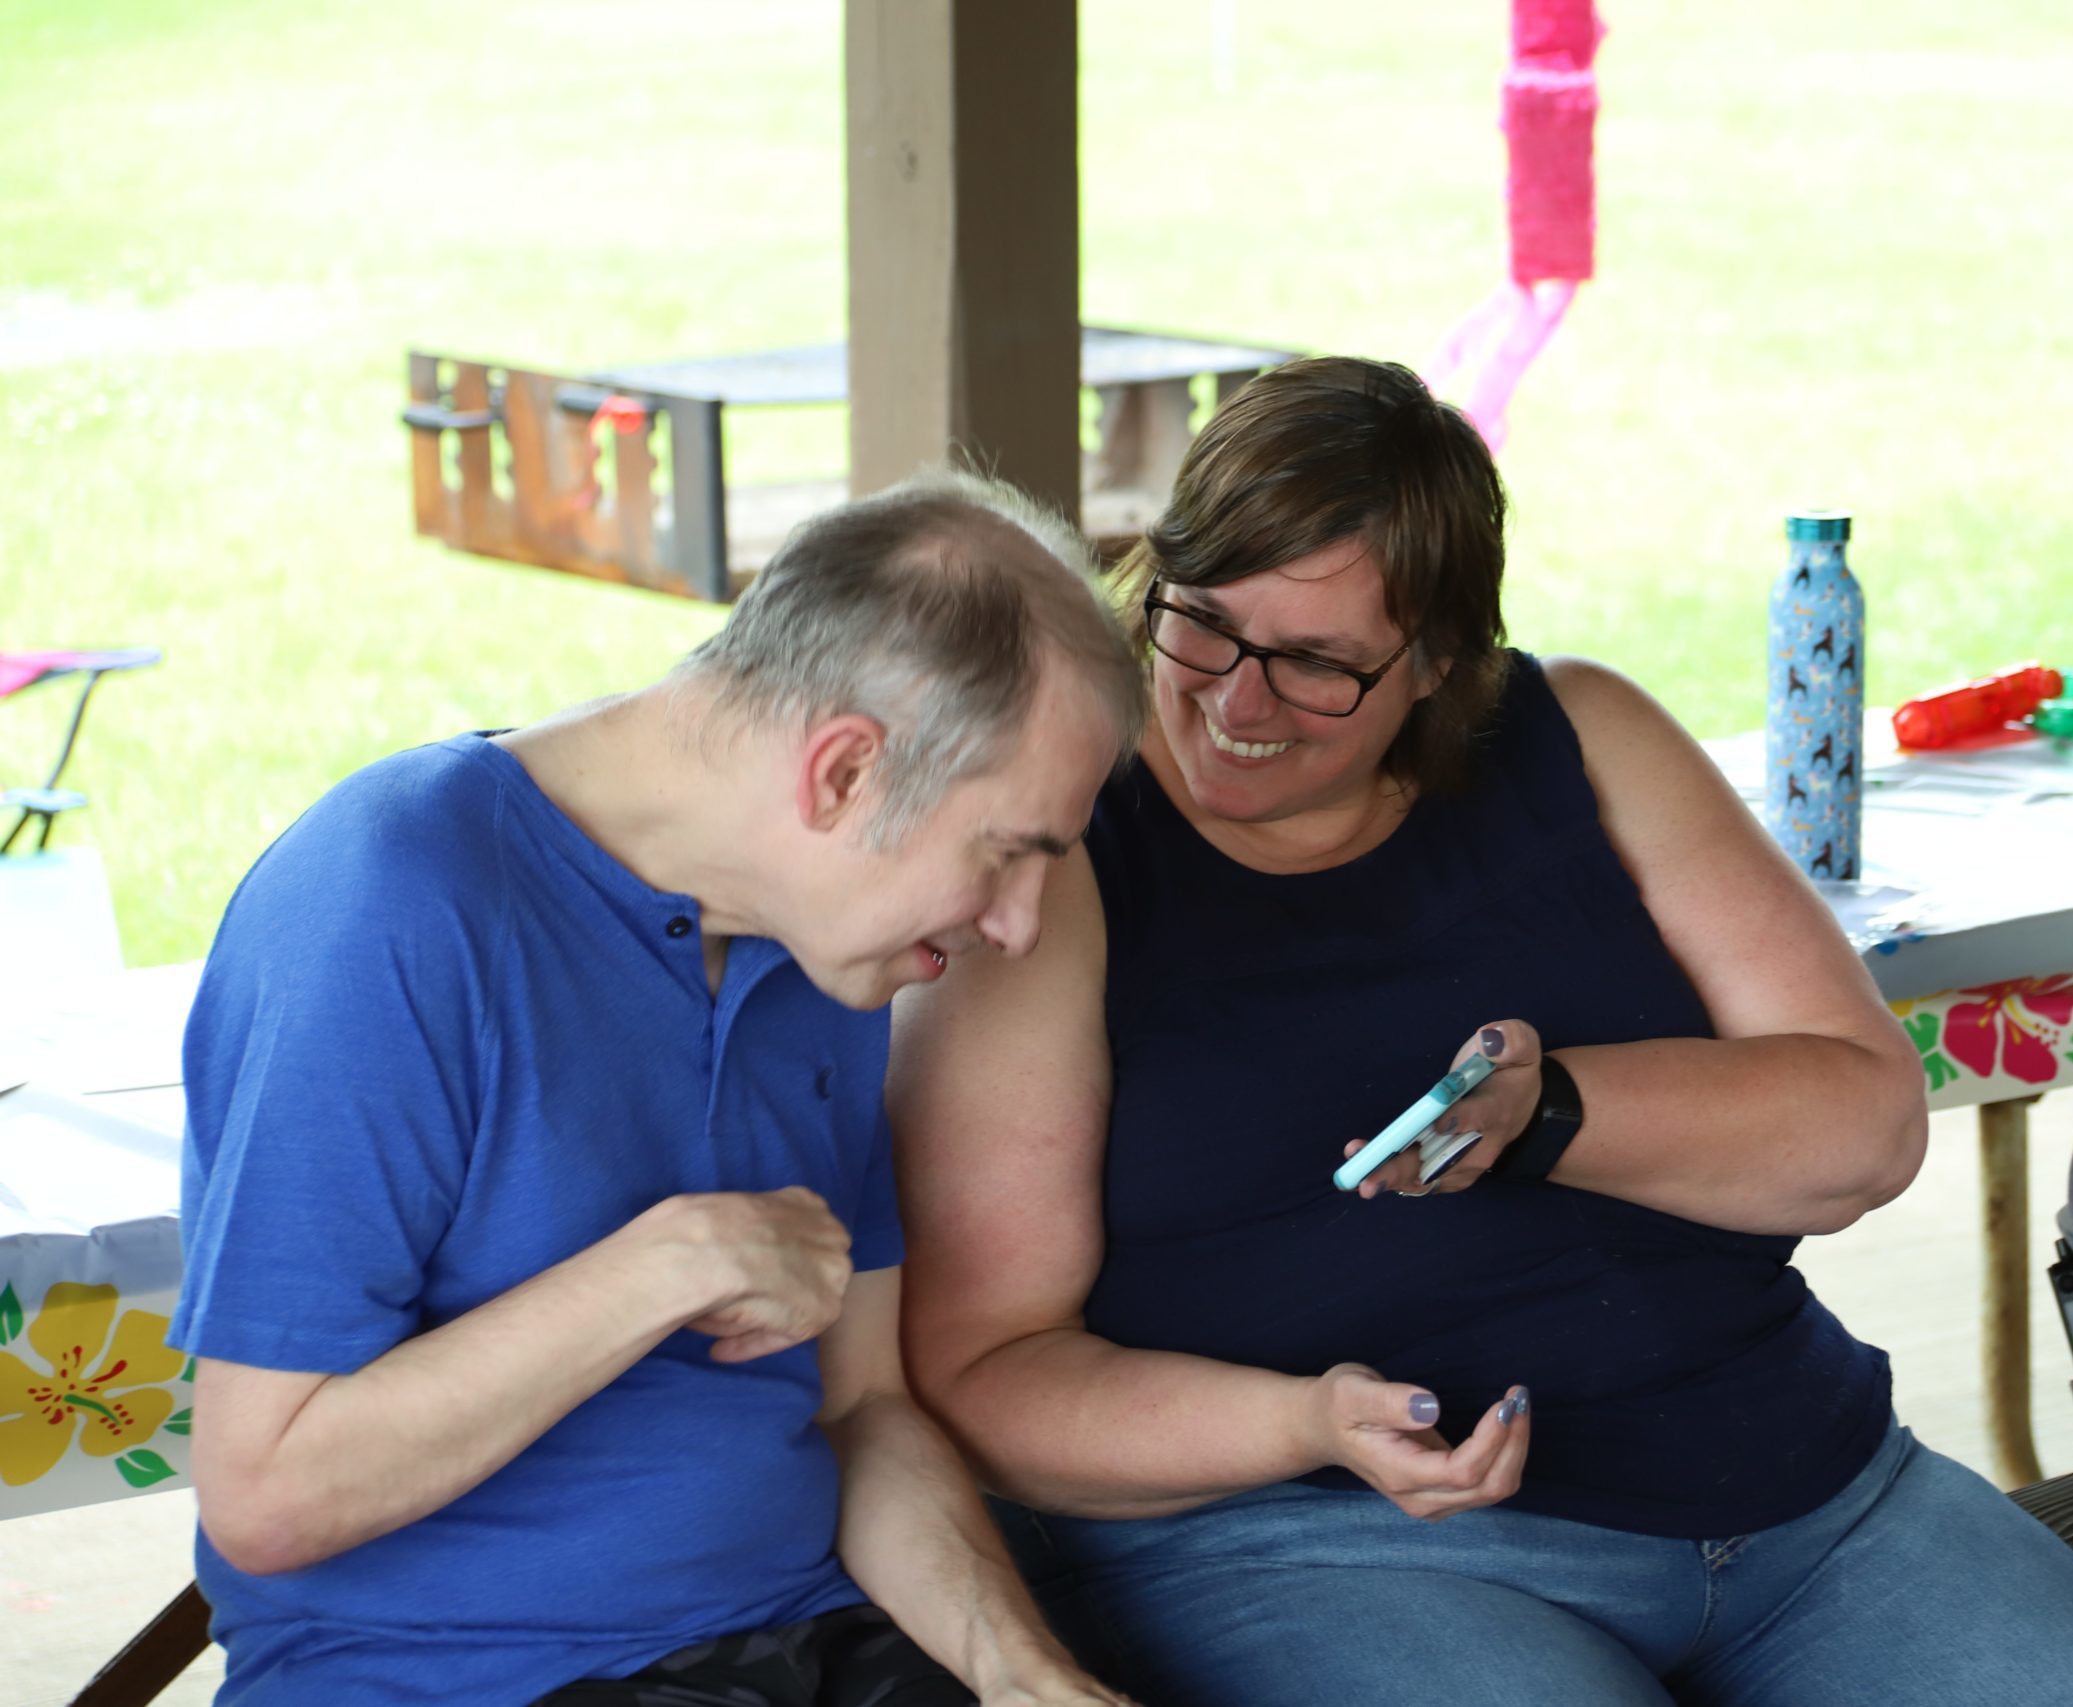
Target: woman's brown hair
(1335, 448)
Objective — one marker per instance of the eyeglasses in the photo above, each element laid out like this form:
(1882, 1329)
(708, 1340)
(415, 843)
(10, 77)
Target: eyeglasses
(1308, 684)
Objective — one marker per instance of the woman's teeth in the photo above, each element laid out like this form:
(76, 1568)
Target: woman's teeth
(1243, 749)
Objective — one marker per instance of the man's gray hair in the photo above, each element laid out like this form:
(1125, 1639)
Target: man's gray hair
(933, 608)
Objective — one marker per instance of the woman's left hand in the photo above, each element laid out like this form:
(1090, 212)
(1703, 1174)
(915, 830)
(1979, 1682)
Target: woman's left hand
(1500, 1108)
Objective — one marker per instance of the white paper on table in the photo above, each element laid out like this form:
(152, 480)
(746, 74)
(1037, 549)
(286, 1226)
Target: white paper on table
(108, 1032)
(1871, 913)
(1955, 842)
(67, 1167)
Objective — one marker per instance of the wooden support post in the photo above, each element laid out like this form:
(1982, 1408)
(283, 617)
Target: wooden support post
(964, 255)
(2004, 1179)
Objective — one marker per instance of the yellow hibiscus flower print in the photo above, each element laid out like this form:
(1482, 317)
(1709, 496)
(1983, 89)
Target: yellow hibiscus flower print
(109, 1392)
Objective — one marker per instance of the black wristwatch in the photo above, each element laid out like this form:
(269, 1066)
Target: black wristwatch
(1532, 1155)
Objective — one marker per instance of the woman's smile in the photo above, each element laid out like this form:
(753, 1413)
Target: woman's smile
(1225, 742)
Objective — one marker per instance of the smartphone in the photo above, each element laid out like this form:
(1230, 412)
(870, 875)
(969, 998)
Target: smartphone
(1414, 1126)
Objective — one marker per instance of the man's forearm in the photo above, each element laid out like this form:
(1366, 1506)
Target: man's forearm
(366, 1453)
(917, 1539)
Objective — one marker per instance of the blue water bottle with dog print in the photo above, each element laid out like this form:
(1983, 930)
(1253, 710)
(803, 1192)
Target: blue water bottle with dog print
(1814, 710)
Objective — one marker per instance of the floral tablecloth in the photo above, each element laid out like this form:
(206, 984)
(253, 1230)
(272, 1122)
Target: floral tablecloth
(1994, 1042)
(93, 1405)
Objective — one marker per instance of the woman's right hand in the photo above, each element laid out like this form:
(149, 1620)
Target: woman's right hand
(1382, 1431)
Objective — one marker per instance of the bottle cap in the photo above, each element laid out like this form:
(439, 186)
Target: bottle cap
(1817, 524)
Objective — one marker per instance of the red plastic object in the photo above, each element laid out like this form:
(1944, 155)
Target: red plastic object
(625, 415)
(1938, 719)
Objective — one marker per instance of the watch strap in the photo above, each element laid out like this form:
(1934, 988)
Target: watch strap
(1532, 1155)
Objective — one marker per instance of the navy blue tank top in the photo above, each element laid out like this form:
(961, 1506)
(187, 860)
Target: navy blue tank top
(1685, 1382)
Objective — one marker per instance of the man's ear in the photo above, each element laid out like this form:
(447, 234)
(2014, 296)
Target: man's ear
(835, 768)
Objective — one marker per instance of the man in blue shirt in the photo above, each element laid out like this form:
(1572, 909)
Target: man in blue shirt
(541, 1240)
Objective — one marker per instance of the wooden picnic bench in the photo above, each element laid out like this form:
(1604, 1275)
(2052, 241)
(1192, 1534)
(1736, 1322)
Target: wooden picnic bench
(620, 474)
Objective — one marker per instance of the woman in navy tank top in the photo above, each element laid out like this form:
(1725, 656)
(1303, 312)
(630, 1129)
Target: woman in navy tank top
(1366, 843)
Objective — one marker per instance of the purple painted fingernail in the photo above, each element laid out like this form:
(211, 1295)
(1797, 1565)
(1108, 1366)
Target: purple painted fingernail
(1492, 1041)
(1508, 1410)
(1524, 1400)
(1425, 1409)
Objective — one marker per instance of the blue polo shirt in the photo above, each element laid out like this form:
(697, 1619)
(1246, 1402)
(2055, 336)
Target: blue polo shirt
(443, 1042)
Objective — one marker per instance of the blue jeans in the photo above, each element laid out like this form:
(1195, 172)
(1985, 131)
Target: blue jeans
(1918, 1584)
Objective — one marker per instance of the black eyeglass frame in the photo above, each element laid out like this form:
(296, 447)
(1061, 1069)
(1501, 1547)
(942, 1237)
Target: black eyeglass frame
(1368, 679)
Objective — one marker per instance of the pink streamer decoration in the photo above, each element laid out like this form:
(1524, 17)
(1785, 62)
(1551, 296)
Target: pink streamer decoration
(1550, 110)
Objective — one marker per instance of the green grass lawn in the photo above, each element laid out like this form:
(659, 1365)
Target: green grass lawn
(1834, 264)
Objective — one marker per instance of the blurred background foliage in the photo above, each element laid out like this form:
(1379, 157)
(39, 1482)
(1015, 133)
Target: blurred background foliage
(1833, 267)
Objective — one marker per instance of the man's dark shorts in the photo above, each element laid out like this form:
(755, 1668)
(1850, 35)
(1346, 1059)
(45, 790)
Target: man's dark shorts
(856, 1657)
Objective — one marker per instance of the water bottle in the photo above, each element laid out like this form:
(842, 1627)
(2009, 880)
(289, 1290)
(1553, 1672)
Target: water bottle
(1814, 709)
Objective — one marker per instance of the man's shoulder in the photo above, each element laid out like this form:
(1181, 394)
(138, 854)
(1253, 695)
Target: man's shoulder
(434, 806)
(384, 905)
(422, 793)
(416, 830)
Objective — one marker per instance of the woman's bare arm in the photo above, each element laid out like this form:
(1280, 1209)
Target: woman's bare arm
(999, 1094)
(1807, 1108)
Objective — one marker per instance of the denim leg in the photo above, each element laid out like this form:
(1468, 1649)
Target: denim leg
(1920, 1586)
(1262, 1636)
(1290, 1597)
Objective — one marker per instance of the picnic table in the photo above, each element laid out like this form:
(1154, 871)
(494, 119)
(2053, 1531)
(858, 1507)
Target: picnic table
(1964, 915)
(620, 473)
